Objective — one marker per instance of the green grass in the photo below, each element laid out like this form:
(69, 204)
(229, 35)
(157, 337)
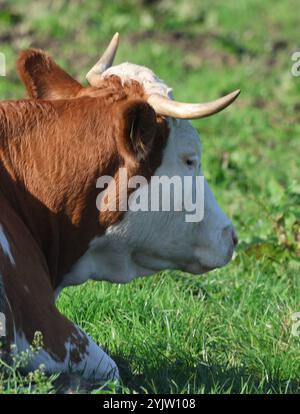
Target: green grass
(231, 330)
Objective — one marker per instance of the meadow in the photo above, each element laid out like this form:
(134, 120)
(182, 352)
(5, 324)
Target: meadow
(231, 330)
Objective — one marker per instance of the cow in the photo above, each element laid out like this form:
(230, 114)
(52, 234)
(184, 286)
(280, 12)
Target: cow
(54, 145)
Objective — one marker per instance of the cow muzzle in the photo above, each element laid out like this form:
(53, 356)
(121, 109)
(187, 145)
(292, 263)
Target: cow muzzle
(216, 253)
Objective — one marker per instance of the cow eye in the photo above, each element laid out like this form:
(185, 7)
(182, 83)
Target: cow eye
(191, 161)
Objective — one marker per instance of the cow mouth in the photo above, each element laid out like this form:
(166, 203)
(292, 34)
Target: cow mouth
(149, 264)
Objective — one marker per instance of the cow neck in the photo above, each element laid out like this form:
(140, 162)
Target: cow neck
(52, 153)
(49, 178)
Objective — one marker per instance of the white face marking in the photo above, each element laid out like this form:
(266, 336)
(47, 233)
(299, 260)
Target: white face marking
(4, 244)
(146, 242)
(95, 363)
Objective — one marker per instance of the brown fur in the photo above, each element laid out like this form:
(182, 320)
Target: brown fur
(53, 147)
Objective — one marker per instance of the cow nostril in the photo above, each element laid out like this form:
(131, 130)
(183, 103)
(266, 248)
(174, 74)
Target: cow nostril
(229, 232)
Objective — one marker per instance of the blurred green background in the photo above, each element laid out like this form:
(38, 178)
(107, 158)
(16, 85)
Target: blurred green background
(231, 330)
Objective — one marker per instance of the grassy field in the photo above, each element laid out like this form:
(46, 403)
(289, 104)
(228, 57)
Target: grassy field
(231, 330)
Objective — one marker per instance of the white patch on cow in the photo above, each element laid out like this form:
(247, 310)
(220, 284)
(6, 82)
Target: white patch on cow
(4, 244)
(95, 364)
(151, 83)
(146, 242)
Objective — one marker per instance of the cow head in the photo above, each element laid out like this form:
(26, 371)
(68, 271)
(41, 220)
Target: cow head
(158, 133)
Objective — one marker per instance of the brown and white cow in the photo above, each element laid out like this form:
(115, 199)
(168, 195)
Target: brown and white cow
(53, 148)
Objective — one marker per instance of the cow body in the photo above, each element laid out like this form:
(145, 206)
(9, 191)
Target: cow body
(53, 147)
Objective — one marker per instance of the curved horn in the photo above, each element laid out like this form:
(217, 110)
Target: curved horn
(174, 109)
(106, 60)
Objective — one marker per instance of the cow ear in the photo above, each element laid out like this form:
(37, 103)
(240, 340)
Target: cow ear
(43, 78)
(138, 129)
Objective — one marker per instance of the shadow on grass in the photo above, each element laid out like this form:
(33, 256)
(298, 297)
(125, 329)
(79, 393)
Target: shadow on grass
(178, 377)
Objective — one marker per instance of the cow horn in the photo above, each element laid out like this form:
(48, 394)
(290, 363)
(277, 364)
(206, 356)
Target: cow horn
(174, 109)
(106, 60)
